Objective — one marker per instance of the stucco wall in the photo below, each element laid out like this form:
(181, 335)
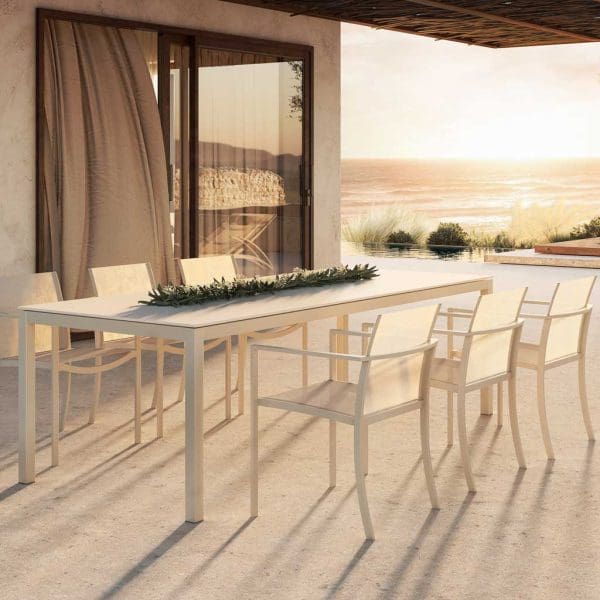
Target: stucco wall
(17, 104)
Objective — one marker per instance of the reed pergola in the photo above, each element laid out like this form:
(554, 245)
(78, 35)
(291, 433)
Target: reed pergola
(491, 23)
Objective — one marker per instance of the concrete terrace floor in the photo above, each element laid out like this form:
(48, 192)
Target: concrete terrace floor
(109, 521)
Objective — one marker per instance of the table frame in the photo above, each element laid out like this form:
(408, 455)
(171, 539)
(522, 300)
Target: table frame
(193, 339)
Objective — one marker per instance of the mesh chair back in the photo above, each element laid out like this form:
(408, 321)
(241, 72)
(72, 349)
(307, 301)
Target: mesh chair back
(564, 335)
(489, 354)
(121, 279)
(20, 290)
(205, 269)
(390, 382)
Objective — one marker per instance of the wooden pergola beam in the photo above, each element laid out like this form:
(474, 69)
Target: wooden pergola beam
(473, 12)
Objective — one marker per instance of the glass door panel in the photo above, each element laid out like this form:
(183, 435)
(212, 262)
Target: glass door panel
(251, 186)
(179, 65)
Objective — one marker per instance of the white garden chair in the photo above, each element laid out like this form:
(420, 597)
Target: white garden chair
(488, 356)
(51, 354)
(563, 340)
(138, 277)
(204, 271)
(393, 380)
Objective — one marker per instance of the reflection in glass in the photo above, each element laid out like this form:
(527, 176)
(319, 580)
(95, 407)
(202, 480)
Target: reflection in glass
(250, 159)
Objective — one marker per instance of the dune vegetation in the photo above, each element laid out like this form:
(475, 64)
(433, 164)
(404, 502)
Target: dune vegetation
(529, 225)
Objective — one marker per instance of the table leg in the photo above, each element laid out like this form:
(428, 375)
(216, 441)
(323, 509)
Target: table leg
(137, 407)
(55, 395)
(486, 399)
(342, 348)
(159, 386)
(26, 400)
(194, 428)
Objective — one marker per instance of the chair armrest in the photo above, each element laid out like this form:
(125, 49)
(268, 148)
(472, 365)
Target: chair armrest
(457, 313)
(451, 332)
(466, 334)
(573, 313)
(347, 332)
(298, 352)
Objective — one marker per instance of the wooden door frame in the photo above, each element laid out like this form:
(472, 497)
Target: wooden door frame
(205, 39)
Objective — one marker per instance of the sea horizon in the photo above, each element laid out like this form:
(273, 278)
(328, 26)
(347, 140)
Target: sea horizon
(478, 193)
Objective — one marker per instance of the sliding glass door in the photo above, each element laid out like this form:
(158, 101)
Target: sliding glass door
(236, 124)
(251, 181)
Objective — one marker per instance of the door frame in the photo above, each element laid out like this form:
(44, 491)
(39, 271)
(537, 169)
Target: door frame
(207, 39)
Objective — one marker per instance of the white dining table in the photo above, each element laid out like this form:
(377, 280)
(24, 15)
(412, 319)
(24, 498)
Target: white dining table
(194, 324)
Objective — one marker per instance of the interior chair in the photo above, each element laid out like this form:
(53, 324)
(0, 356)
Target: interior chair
(205, 270)
(488, 356)
(138, 277)
(52, 352)
(393, 380)
(565, 322)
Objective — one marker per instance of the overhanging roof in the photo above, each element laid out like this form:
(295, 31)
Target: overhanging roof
(492, 23)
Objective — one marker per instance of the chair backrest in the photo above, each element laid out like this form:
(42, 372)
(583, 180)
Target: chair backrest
(20, 290)
(563, 336)
(389, 382)
(489, 354)
(122, 279)
(205, 269)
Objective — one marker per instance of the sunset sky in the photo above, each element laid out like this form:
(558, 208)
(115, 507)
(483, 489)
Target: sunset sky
(410, 96)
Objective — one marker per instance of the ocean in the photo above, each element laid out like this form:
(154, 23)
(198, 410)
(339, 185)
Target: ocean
(477, 194)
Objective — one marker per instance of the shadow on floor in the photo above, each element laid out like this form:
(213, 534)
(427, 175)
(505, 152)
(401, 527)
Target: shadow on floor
(169, 542)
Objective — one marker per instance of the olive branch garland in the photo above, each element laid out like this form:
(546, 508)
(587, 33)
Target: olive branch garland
(221, 289)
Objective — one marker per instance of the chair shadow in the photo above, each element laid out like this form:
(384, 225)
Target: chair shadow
(433, 564)
(396, 577)
(358, 555)
(180, 589)
(167, 544)
(10, 491)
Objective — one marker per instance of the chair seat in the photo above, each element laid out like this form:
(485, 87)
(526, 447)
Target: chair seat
(444, 372)
(528, 355)
(336, 398)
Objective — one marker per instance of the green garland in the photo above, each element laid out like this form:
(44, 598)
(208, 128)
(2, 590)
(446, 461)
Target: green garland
(186, 295)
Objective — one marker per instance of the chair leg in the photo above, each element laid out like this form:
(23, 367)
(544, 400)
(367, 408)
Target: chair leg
(426, 454)
(304, 358)
(514, 422)
(97, 387)
(228, 379)
(154, 395)
(585, 409)
(365, 449)
(500, 392)
(462, 438)
(242, 349)
(254, 440)
(65, 413)
(450, 411)
(361, 488)
(181, 392)
(541, 404)
(137, 404)
(332, 453)
(55, 374)
(159, 387)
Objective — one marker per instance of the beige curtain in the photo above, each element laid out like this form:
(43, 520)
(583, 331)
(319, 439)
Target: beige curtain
(104, 175)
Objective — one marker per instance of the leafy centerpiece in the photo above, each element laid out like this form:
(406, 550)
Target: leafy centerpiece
(186, 295)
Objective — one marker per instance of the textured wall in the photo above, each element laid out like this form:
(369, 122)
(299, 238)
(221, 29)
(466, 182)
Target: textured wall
(17, 104)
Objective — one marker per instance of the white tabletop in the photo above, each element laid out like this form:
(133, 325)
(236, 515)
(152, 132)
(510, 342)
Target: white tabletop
(127, 307)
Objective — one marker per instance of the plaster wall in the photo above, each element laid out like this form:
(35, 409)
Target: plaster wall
(17, 104)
